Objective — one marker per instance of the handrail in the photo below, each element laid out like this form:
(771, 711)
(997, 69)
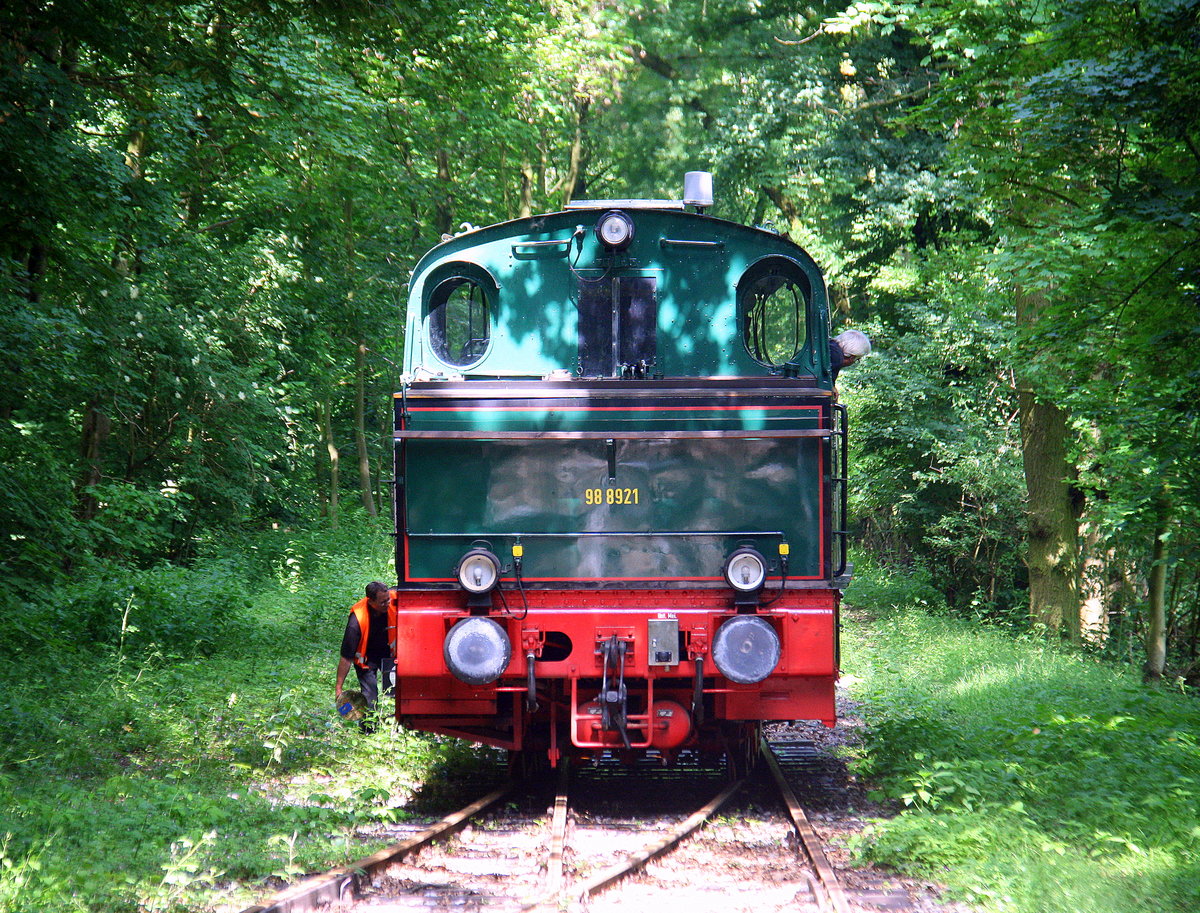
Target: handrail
(685, 242)
(560, 242)
(841, 431)
(599, 533)
(484, 434)
(529, 250)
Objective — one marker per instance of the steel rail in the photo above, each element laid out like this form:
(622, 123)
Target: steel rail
(339, 882)
(342, 882)
(555, 874)
(809, 839)
(652, 850)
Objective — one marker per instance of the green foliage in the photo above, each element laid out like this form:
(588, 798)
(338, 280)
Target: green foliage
(195, 248)
(1021, 772)
(895, 588)
(200, 775)
(183, 876)
(1071, 125)
(196, 244)
(937, 468)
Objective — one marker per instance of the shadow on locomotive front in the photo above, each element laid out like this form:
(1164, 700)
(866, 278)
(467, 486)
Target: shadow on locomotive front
(620, 490)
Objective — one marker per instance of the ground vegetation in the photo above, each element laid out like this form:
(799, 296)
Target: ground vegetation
(1026, 776)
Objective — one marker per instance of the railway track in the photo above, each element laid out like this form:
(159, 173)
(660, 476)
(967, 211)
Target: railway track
(583, 846)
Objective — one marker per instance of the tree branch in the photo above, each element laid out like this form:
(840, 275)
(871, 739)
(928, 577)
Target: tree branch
(1046, 190)
(656, 64)
(882, 102)
(792, 44)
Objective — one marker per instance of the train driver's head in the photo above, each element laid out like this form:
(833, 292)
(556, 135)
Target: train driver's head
(854, 345)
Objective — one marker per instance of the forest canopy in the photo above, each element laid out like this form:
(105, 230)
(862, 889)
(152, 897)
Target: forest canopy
(208, 212)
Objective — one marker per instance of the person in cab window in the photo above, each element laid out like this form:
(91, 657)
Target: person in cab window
(846, 348)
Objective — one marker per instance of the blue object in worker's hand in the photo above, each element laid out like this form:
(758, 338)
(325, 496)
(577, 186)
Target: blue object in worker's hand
(351, 705)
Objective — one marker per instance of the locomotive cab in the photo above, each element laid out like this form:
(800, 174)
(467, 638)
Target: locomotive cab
(619, 484)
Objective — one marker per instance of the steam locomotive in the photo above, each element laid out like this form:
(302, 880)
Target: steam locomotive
(620, 484)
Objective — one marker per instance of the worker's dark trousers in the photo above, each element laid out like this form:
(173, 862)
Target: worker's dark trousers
(368, 680)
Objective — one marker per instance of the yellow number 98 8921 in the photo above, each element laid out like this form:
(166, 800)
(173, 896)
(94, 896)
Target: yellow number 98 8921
(595, 496)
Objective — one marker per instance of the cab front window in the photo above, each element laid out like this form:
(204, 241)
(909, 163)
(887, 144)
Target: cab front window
(459, 321)
(773, 297)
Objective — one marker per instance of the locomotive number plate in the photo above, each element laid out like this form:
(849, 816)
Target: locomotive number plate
(594, 496)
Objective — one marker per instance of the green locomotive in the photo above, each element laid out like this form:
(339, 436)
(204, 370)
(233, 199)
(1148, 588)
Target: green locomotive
(620, 483)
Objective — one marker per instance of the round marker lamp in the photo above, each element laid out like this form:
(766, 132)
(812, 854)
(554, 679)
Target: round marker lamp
(478, 571)
(477, 650)
(745, 570)
(615, 230)
(746, 649)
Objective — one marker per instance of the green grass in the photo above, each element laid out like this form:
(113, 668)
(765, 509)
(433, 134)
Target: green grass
(1029, 777)
(167, 768)
(140, 775)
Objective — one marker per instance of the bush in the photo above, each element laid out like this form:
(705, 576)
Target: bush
(135, 770)
(884, 587)
(1027, 777)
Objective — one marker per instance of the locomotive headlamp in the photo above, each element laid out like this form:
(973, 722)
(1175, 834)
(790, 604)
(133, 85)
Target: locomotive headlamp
(746, 649)
(746, 570)
(615, 230)
(477, 650)
(478, 571)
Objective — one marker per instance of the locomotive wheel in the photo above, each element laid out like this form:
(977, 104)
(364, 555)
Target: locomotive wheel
(529, 766)
(532, 763)
(741, 748)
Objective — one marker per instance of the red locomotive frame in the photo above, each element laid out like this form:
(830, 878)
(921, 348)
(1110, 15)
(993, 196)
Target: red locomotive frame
(427, 698)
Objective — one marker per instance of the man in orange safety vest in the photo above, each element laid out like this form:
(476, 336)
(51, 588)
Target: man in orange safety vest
(369, 644)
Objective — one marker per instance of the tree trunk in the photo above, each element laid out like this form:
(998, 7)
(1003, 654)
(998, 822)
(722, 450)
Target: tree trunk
(360, 366)
(527, 179)
(443, 215)
(34, 270)
(1053, 549)
(1193, 642)
(127, 257)
(96, 426)
(360, 428)
(574, 182)
(1156, 620)
(320, 475)
(1096, 587)
(785, 204)
(334, 469)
